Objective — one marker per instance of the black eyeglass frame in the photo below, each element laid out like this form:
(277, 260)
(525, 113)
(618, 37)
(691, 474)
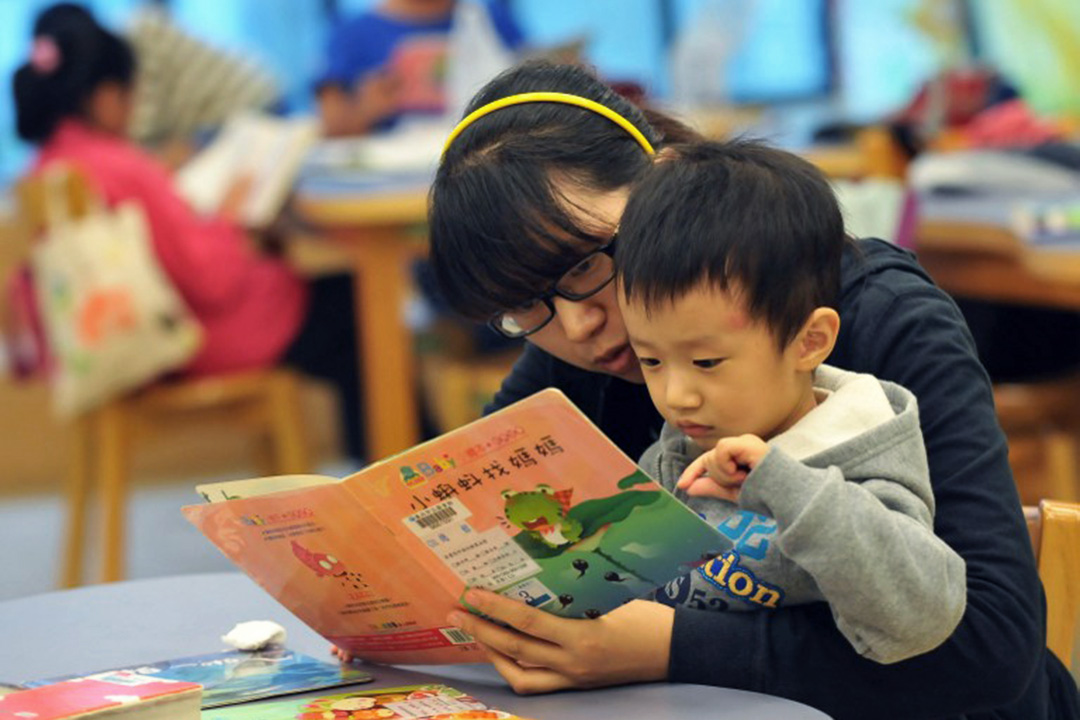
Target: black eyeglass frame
(606, 249)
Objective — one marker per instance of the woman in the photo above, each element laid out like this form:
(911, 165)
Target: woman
(73, 99)
(522, 195)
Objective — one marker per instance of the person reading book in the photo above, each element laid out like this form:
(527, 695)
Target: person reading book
(727, 267)
(73, 99)
(390, 62)
(530, 189)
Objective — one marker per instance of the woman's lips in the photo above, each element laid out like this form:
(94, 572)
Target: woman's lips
(618, 361)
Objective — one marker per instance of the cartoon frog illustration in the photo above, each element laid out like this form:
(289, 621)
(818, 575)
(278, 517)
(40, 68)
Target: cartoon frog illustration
(542, 513)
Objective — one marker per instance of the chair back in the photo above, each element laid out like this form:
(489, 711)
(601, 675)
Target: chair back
(32, 197)
(1058, 543)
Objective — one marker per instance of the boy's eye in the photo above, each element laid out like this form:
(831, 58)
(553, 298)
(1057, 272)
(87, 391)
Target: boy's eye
(708, 363)
(649, 362)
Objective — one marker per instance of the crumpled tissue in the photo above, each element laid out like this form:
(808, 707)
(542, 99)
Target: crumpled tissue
(255, 635)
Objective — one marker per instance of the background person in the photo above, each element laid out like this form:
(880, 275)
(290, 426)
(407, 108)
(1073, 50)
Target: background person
(392, 61)
(73, 99)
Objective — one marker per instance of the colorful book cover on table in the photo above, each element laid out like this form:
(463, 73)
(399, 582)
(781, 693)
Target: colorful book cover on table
(533, 502)
(236, 676)
(415, 702)
(115, 694)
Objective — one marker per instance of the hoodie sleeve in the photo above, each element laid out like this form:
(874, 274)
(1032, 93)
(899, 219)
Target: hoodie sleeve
(894, 588)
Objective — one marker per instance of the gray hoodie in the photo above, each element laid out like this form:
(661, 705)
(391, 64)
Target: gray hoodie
(840, 509)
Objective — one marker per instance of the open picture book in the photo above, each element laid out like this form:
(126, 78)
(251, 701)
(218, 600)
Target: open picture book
(532, 502)
(267, 150)
(410, 702)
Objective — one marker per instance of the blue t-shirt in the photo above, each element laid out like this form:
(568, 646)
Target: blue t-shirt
(415, 51)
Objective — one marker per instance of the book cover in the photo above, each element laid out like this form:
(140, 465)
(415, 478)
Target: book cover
(236, 676)
(533, 502)
(414, 702)
(115, 694)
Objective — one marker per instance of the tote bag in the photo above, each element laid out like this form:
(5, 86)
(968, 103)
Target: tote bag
(112, 318)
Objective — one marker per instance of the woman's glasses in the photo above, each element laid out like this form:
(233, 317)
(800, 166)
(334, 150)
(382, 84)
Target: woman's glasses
(588, 277)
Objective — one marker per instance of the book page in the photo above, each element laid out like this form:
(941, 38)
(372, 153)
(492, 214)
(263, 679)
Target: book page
(336, 567)
(533, 502)
(236, 489)
(268, 150)
(536, 503)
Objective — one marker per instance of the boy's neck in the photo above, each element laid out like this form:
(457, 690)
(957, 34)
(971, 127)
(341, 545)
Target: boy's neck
(808, 400)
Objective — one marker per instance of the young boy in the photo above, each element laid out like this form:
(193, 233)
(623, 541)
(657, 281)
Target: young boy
(728, 262)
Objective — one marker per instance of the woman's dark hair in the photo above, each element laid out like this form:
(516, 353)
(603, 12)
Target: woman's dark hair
(736, 213)
(82, 56)
(501, 229)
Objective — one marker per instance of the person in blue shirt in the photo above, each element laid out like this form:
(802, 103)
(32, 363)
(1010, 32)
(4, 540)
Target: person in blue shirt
(391, 61)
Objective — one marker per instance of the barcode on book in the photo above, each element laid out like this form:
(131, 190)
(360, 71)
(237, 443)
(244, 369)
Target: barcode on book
(456, 636)
(439, 515)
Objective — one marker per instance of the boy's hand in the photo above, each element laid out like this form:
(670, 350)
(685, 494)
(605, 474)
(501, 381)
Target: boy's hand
(720, 472)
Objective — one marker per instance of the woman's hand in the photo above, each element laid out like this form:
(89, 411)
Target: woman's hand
(341, 654)
(541, 652)
(720, 472)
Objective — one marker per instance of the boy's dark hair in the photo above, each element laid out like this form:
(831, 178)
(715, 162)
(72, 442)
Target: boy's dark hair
(88, 56)
(500, 228)
(740, 215)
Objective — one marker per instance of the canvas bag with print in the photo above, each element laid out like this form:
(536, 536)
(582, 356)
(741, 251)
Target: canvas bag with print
(113, 320)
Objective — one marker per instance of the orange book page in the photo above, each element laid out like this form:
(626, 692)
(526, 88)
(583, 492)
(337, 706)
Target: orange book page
(447, 501)
(337, 569)
(533, 502)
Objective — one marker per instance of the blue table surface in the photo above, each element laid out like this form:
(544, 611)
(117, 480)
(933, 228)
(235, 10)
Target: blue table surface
(105, 626)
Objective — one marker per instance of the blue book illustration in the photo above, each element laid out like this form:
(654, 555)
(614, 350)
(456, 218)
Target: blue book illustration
(235, 676)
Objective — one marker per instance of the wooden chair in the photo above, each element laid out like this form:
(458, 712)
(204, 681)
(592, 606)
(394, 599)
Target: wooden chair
(1055, 534)
(1045, 416)
(265, 403)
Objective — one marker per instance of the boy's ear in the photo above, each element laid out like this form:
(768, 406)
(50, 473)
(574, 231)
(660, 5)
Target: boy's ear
(817, 338)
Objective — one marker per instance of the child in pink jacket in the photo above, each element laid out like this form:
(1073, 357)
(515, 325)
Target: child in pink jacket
(73, 99)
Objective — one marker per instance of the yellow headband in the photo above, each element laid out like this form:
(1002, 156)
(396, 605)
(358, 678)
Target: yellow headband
(555, 97)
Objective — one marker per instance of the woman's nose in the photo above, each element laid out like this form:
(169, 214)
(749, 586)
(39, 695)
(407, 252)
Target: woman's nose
(580, 320)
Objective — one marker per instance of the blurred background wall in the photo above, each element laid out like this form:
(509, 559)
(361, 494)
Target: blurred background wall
(808, 61)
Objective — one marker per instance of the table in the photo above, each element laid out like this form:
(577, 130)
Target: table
(967, 245)
(104, 626)
(374, 218)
